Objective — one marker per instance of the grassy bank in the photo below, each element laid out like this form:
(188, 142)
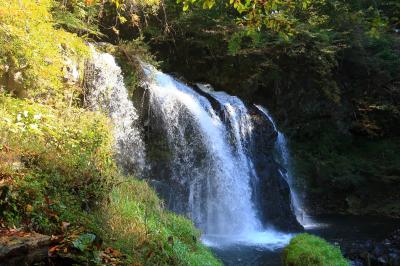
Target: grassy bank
(57, 177)
(140, 226)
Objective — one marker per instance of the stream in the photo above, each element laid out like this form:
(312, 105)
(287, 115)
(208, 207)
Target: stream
(341, 230)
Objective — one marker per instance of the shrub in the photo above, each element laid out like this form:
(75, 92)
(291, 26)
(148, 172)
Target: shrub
(309, 250)
(52, 162)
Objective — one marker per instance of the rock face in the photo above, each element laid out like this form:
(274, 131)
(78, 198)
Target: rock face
(22, 248)
(159, 156)
(272, 191)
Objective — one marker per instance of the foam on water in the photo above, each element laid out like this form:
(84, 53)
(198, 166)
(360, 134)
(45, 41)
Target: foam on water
(268, 239)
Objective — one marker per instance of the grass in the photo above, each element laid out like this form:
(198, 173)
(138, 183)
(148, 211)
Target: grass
(309, 250)
(139, 225)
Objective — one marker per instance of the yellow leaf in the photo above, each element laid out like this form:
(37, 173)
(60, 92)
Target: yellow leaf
(29, 208)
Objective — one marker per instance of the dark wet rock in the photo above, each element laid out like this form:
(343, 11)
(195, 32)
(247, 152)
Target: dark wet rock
(356, 263)
(202, 90)
(272, 191)
(379, 249)
(159, 154)
(174, 195)
(372, 253)
(22, 248)
(394, 258)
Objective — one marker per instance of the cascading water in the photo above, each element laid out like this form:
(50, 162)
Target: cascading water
(201, 155)
(239, 126)
(282, 149)
(106, 92)
(210, 156)
(218, 180)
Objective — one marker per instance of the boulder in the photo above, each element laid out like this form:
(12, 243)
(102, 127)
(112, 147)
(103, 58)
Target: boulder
(22, 248)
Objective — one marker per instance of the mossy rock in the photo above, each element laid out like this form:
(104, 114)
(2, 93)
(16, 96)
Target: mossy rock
(309, 250)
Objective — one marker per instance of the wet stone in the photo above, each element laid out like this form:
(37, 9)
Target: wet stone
(22, 248)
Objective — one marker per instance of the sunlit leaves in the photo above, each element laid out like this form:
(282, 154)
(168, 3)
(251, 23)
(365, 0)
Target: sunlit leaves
(276, 15)
(32, 51)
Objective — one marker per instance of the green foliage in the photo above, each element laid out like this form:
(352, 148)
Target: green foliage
(285, 17)
(42, 149)
(80, 17)
(84, 241)
(276, 15)
(130, 55)
(309, 250)
(94, 18)
(344, 174)
(135, 218)
(33, 52)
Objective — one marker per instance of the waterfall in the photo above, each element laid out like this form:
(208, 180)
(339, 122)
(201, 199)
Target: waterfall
(218, 178)
(282, 149)
(239, 126)
(202, 150)
(208, 136)
(106, 92)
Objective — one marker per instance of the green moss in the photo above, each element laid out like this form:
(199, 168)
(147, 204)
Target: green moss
(309, 250)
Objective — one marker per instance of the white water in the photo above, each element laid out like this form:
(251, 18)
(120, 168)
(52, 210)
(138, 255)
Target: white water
(106, 92)
(219, 180)
(239, 126)
(220, 195)
(282, 149)
(209, 155)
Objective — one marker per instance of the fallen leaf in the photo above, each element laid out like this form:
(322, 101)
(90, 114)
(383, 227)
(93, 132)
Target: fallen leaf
(53, 249)
(116, 253)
